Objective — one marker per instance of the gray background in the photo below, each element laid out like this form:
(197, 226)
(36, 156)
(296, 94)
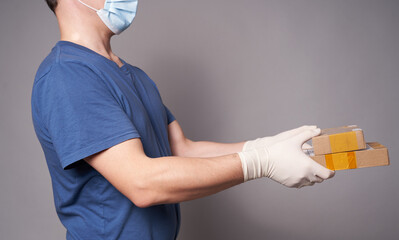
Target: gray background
(230, 70)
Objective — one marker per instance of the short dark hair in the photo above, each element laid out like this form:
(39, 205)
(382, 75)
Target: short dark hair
(52, 4)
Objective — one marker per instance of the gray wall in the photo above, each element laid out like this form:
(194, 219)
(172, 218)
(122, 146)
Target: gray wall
(230, 71)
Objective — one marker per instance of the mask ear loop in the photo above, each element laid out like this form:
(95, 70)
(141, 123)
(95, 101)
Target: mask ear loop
(89, 6)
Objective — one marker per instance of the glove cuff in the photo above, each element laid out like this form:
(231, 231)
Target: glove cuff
(251, 144)
(254, 163)
(247, 146)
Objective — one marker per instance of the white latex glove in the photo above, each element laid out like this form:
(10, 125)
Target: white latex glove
(266, 141)
(284, 161)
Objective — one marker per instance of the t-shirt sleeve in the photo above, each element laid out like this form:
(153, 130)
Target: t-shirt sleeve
(169, 114)
(80, 112)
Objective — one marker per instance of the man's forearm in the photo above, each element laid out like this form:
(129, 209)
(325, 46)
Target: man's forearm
(175, 179)
(210, 149)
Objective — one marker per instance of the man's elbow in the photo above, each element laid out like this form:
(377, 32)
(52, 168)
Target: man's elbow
(142, 196)
(182, 149)
(142, 202)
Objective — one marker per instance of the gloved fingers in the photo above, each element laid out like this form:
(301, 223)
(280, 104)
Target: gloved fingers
(293, 132)
(304, 136)
(322, 172)
(315, 179)
(306, 146)
(318, 179)
(300, 182)
(305, 184)
(310, 180)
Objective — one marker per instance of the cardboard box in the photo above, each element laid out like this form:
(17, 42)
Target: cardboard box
(374, 155)
(340, 139)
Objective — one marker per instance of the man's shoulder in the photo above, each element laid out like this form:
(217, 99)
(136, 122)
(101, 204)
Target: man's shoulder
(62, 66)
(67, 76)
(45, 66)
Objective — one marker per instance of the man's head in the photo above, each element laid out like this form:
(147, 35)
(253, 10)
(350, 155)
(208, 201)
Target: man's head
(52, 4)
(115, 14)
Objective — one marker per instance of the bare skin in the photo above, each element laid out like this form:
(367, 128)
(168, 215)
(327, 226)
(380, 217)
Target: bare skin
(151, 181)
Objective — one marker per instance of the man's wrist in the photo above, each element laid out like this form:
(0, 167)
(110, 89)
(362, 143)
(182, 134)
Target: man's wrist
(254, 163)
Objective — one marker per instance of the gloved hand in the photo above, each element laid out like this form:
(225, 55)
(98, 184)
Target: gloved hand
(284, 161)
(266, 141)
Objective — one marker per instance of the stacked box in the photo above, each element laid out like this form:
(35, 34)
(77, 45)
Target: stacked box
(340, 139)
(374, 155)
(344, 148)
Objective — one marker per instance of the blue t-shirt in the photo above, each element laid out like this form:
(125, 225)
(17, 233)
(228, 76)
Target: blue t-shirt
(83, 103)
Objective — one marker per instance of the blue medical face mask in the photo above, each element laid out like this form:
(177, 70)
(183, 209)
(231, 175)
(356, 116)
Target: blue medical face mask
(117, 15)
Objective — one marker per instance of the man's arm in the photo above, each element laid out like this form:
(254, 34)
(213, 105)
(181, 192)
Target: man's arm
(184, 147)
(151, 181)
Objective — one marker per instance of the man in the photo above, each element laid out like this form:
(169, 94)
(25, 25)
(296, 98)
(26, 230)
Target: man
(118, 158)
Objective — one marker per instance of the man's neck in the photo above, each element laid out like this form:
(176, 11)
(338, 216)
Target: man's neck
(83, 26)
(94, 40)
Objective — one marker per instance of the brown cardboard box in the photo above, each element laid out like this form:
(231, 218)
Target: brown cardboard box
(374, 155)
(340, 139)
